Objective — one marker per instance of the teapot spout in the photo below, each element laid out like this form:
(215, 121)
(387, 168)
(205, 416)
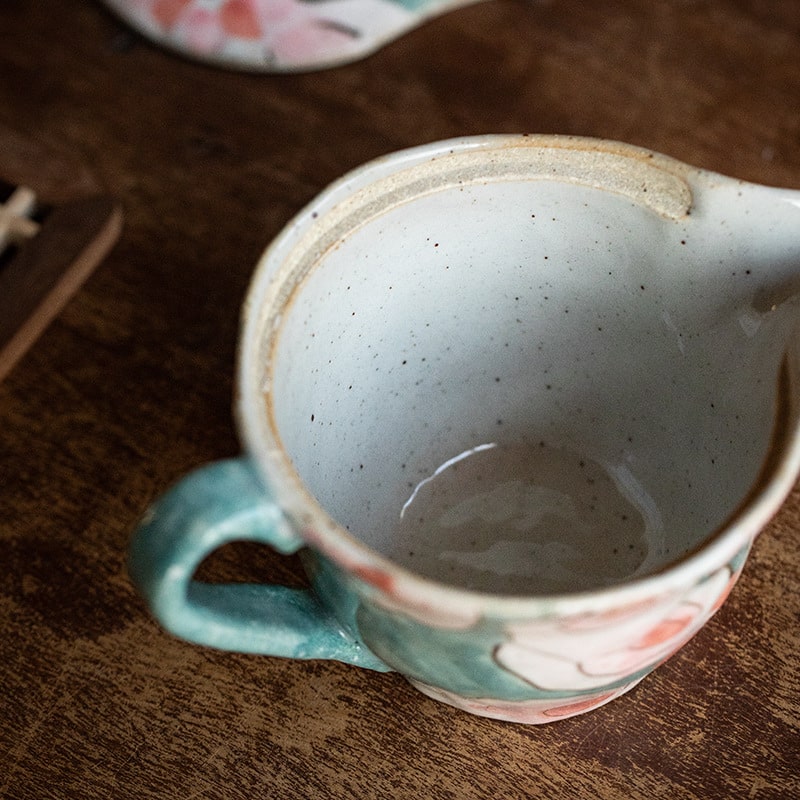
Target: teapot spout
(781, 280)
(751, 239)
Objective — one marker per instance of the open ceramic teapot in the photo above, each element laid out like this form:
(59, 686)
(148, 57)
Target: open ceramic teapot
(579, 358)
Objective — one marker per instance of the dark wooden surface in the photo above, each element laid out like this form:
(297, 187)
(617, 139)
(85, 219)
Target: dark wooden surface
(41, 273)
(131, 386)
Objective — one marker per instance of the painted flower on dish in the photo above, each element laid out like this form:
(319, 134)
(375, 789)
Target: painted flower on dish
(279, 34)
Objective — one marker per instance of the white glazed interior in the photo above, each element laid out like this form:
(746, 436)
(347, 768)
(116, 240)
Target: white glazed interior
(469, 292)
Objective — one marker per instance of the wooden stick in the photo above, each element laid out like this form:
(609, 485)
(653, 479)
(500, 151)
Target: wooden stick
(49, 267)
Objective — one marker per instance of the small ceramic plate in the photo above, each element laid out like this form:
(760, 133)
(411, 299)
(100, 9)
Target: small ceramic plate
(277, 35)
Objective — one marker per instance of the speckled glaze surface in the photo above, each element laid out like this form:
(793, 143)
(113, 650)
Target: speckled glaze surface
(277, 35)
(597, 341)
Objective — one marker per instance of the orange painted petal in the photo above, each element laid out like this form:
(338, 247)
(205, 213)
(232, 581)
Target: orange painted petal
(168, 11)
(664, 632)
(578, 707)
(238, 18)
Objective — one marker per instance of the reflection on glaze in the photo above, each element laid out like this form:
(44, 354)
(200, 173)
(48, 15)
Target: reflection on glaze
(528, 519)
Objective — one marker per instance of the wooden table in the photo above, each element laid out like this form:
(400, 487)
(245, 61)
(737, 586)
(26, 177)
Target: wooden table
(131, 386)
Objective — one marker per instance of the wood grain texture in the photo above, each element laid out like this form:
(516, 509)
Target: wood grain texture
(48, 267)
(131, 386)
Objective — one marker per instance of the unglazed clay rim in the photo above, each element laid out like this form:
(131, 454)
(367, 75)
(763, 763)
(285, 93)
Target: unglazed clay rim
(317, 529)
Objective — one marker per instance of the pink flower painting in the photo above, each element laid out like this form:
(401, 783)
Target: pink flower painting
(270, 34)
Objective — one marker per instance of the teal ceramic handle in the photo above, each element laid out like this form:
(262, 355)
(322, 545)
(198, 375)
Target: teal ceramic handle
(219, 503)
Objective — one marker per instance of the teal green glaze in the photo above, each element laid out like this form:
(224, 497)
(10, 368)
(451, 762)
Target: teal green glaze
(456, 660)
(737, 562)
(216, 504)
(343, 593)
(225, 502)
(460, 661)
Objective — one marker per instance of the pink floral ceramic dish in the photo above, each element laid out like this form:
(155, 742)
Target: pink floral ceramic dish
(277, 35)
